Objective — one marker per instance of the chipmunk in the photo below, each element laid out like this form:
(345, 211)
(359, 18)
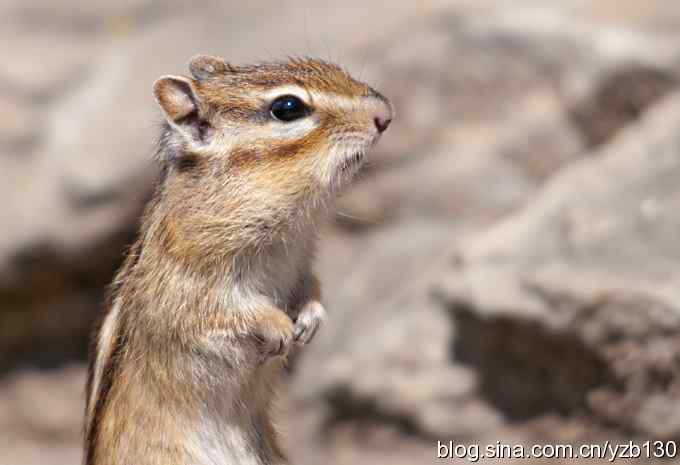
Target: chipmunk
(219, 283)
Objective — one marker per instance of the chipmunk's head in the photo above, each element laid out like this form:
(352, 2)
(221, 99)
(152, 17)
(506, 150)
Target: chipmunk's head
(292, 127)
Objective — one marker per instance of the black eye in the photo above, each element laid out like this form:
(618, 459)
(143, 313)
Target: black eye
(289, 108)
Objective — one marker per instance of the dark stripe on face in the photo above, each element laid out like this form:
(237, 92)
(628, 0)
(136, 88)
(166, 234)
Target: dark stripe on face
(289, 149)
(192, 166)
(243, 157)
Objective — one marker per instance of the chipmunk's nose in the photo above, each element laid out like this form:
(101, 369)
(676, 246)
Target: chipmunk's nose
(381, 124)
(381, 109)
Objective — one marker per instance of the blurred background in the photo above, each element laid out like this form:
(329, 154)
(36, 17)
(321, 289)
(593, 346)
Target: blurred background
(507, 269)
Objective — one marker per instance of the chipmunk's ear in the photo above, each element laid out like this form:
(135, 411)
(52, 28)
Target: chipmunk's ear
(177, 98)
(205, 66)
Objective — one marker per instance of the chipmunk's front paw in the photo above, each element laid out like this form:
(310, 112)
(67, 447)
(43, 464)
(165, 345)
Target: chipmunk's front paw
(308, 321)
(274, 334)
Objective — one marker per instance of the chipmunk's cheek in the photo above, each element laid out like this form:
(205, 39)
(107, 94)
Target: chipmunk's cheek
(341, 161)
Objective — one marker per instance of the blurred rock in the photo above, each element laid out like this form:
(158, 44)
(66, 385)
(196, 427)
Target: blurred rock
(572, 305)
(620, 99)
(19, 129)
(41, 65)
(40, 416)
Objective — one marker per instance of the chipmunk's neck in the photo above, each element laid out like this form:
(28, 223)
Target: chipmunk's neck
(204, 224)
(212, 244)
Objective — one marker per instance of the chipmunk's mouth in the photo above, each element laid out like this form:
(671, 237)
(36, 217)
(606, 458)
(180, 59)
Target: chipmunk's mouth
(345, 169)
(352, 162)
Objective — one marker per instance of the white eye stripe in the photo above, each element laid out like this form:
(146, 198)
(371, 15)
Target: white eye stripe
(292, 130)
(274, 130)
(341, 102)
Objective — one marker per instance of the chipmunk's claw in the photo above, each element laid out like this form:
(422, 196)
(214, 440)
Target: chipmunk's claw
(274, 336)
(308, 322)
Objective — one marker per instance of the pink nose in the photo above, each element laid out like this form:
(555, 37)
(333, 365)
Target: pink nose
(381, 124)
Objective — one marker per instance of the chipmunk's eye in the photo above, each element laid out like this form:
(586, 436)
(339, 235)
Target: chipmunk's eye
(289, 108)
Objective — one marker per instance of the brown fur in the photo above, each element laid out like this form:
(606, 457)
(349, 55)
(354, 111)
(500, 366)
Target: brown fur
(219, 283)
